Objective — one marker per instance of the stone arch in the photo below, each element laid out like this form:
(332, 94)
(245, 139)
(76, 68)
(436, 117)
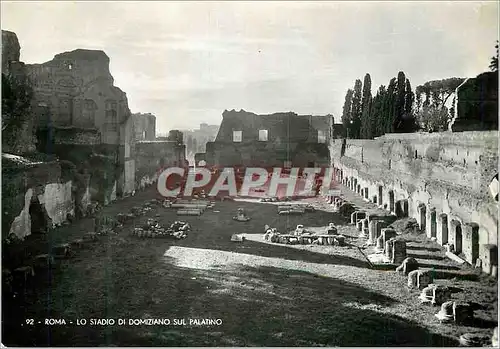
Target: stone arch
(456, 235)
(470, 242)
(421, 216)
(442, 233)
(398, 209)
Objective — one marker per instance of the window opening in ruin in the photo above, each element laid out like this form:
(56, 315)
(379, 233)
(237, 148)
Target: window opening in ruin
(38, 219)
(416, 154)
(237, 136)
(321, 136)
(380, 195)
(263, 135)
(374, 199)
(366, 193)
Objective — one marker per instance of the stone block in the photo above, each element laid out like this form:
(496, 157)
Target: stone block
(424, 278)
(462, 312)
(470, 244)
(413, 279)
(398, 251)
(387, 234)
(489, 257)
(380, 243)
(408, 265)
(389, 246)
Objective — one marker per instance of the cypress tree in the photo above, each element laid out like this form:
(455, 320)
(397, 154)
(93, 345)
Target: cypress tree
(346, 111)
(366, 131)
(356, 109)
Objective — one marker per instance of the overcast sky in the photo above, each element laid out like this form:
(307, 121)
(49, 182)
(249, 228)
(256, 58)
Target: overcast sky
(186, 62)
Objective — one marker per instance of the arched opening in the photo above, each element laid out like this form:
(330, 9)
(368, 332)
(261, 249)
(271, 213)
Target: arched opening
(422, 210)
(406, 209)
(366, 193)
(391, 201)
(380, 201)
(433, 227)
(358, 189)
(458, 238)
(38, 218)
(374, 199)
(399, 209)
(443, 231)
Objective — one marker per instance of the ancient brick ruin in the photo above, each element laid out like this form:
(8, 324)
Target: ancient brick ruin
(280, 139)
(145, 126)
(442, 180)
(77, 143)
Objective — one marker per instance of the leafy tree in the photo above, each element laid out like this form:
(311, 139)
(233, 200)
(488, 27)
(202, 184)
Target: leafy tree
(377, 112)
(346, 111)
(437, 92)
(356, 109)
(494, 60)
(434, 118)
(17, 96)
(366, 130)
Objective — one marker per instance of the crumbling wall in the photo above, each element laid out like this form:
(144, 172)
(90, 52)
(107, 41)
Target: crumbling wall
(446, 173)
(25, 183)
(296, 140)
(17, 124)
(477, 104)
(152, 157)
(145, 126)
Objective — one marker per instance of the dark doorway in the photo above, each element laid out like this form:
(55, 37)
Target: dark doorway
(38, 218)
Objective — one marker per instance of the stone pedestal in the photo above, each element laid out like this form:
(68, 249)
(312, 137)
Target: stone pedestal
(387, 234)
(398, 251)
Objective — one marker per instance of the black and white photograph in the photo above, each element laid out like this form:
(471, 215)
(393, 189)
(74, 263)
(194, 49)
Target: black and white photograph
(249, 173)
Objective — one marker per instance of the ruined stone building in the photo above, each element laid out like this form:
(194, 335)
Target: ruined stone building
(82, 116)
(280, 139)
(476, 106)
(76, 142)
(145, 126)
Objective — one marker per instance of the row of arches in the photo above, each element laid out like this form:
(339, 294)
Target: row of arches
(446, 229)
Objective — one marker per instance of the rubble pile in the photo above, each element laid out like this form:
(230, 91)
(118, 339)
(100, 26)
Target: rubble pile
(304, 237)
(291, 209)
(152, 229)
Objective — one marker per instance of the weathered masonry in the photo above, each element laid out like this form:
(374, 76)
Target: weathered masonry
(280, 139)
(447, 181)
(76, 142)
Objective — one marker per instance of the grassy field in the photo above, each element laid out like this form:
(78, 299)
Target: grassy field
(265, 294)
